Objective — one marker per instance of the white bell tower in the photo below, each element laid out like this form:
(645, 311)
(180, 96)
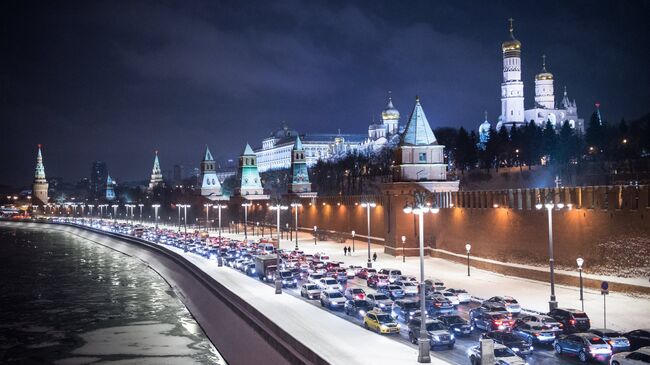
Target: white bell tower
(512, 88)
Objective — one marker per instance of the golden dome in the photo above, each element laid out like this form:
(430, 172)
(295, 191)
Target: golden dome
(512, 44)
(544, 75)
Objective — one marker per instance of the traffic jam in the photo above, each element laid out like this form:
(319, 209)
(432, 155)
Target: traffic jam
(387, 302)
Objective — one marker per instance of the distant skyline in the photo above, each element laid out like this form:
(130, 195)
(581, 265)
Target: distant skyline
(114, 81)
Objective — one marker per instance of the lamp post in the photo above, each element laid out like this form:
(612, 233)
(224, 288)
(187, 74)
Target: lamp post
(179, 216)
(219, 207)
(353, 234)
(90, 208)
(403, 249)
(368, 205)
(295, 207)
(419, 207)
(185, 206)
(155, 213)
(207, 216)
(246, 205)
(141, 206)
(468, 247)
(114, 206)
(581, 261)
(315, 228)
(278, 281)
(551, 261)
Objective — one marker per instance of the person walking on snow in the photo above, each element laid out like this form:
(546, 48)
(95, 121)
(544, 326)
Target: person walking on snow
(374, 256)
(345, 251)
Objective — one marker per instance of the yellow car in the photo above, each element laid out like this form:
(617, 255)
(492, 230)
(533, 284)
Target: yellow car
(380, 322)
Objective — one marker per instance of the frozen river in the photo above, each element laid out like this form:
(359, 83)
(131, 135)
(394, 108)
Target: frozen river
(67, 300)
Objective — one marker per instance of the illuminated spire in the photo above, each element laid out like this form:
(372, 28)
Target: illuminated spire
(156, 174)
(39, 175)
(418, 131)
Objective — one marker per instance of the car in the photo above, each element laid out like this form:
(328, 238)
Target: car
(329, 284)
(409, 287)
(438, 304)
(509, 303)
(332, 299)
(451, 297)
(513, 342)
(341, 275)
(351, 272)
(438, 334)
(463, 296)
(392, 290)
(615, 339)
(638, 338)
(380, 322)
(583, 344)
(404, 309)
(573, 320)
(638, 357)
(377, 281)
(434, 284)
(366, 273)
(393, 274)
(456, 324)
(534, 333)
(250, 269)
(288, 280)
(310, 291)
(541, 322)
(491, 321)
(502, 356)
(381, 301)
(354, 293)
(314, 277)
(357, 307)
(407, 278)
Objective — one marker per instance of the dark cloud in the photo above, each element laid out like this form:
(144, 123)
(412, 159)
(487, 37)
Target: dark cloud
(116, 80)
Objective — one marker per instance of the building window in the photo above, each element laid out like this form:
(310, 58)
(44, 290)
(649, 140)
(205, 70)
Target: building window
(423, 157)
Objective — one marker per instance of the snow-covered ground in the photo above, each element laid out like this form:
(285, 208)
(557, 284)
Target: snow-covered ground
(624, 312)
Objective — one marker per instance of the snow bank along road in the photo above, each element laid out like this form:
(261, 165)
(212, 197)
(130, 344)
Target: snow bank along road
(246, 321)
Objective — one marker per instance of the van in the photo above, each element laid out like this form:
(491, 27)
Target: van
(393, 274)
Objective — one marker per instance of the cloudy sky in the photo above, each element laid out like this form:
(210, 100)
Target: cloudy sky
(116, 80)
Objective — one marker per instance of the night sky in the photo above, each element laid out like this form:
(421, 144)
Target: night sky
(116, 80)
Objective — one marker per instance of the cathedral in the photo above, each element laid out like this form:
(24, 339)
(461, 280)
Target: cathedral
(513, 112)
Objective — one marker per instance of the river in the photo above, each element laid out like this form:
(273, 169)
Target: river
(66, 300)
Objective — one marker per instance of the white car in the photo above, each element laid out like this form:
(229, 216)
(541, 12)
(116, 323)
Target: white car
(409, 287)
(451, 297)
(638, 357)
(462, 295)
(332, 299)
(502, 355)
(310, 291)
(329, 284)
(381, 301)
(351, 273)
(314, 277)
(408, 278)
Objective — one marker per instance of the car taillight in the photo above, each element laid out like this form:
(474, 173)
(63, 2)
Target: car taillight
(537, 334)
(498, 322)
(572, 321)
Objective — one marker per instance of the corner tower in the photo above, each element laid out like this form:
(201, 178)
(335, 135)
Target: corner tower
(512, 88)
(156, 174)
(210, 185)
(250, 185)
(299, 184)
(110, 191)
(40, 186)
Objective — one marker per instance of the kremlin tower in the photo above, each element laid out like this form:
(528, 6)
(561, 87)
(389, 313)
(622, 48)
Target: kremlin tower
(156, 174)
(512, 88)
(39, 189)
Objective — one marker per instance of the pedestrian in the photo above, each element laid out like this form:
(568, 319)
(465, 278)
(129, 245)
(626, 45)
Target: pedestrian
(374, 256)
(345, 251)
(349, 250)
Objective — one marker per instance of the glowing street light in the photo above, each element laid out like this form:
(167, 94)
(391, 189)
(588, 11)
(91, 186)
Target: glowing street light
(219, 207)
(353, 234)
(114, 206)
(207, 216)
(246, 205)
(419, 208)
(368, 205)
(468, 247)
(278, 280)
(140, 206)
(549, 208)
(581, 261)
(155, 213)
(295, 207)
(403, 249)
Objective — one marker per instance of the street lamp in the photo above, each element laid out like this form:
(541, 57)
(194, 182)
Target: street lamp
(140, 206)
(549, 208)
(353, 234)
(278, 281)
(207, 216)
(155, 213)
(581, 261)
(246, 205)
(114, 206)
(185, 206)
(296, 206)
(368, 205)
(403, 249)
(219, 207)
(315, 228)
(419, 207)
(468, 247)
(90, 208)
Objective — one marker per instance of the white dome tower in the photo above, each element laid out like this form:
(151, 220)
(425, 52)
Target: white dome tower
(512, 88)
(544, 94)
(390, 117)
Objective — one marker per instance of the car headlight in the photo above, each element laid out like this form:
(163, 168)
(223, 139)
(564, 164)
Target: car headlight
(384, 327)
(451, 336)
(362, 312)
(532, 347)
(515, 349)
(456, 329)
(382, 305)
(436, 337)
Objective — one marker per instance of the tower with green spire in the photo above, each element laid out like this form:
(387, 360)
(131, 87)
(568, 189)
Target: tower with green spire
(299, 184)
(250, 183)
(110, 192)
(156, 174)
(40, 186)
(210, 185)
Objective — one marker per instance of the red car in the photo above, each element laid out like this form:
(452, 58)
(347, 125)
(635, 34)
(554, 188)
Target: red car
(365, 273)
(378, 280)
